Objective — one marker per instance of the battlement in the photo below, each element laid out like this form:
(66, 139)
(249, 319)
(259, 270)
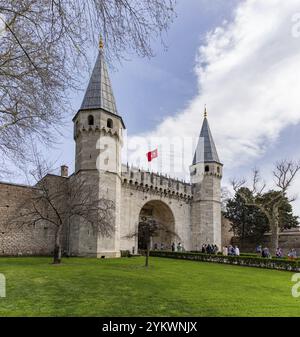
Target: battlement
(155, 183)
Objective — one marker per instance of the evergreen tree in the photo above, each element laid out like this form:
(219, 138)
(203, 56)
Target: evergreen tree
(249, 222)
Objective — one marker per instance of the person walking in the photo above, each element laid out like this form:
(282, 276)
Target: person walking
(278, 252)
(225, 251)
(292, 254)
(236, 251)
(259, 249)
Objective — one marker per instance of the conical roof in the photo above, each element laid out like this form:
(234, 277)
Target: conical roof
(206, 149)
(99, 94)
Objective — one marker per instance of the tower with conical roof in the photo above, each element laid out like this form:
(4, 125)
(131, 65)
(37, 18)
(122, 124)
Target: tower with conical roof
(206, 174)
(98, 134)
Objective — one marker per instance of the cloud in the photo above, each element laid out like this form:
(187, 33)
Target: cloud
(249, 76)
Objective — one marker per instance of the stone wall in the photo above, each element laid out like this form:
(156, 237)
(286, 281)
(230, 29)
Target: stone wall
(287, 239)
(18, 239)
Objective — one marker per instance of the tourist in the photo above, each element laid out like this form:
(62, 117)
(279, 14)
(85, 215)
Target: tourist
(155, 246)
(179, 247)
(236, 251)
(231, 250)
(266, 253)
(259, 249)
(216, 249)
(173, 247)
(203, 250)
(279, 252)
(225, 251)
(292, 254)
(162, 246)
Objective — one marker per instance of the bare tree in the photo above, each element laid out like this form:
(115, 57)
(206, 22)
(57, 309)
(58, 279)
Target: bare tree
(58, 201)
(44, 49)
(269, 202)
(148, 229)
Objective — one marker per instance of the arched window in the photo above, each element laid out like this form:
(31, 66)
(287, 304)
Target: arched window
(206, 168)
(218, 169)
(91, 120)
(110, 123)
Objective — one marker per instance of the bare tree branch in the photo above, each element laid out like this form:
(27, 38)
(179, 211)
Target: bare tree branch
(44, 50)
(269, 203)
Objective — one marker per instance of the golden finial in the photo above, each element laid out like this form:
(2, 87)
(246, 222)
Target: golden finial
(205, 111)
(101, 43)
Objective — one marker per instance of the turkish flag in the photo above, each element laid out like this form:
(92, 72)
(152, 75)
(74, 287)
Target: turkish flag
(152, 154)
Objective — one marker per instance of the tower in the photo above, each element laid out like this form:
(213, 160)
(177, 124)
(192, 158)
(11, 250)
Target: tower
(98, 134)
(206, 174)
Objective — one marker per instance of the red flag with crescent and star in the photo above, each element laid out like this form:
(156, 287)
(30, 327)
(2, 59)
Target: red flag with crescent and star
(152, 154)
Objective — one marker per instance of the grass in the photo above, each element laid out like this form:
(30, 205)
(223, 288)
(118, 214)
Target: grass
(123, 287)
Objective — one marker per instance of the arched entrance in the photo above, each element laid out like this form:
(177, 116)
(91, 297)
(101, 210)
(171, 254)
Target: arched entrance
(160, 212)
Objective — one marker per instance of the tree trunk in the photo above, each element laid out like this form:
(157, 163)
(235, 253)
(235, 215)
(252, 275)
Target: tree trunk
(57, 246)
(274, 237)
(147, 255)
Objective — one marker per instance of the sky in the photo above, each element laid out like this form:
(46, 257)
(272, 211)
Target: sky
(241, 59)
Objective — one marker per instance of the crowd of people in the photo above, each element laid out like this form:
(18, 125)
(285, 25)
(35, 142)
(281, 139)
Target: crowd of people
(231, 251)
(209, 249)
(265, 252)
(175, 248)
(228, 250)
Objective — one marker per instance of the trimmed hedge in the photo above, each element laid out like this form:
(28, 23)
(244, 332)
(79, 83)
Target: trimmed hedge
(125, 253)
(248, 261)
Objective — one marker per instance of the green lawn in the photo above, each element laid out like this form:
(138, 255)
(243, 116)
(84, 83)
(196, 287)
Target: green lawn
(123, 287)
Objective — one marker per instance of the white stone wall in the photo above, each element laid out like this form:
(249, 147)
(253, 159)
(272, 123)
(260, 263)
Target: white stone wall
(133, 200)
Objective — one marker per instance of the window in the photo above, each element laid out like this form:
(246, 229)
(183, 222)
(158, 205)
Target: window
(206, 168)
(218, 169)
(91, 120)
(110, 123)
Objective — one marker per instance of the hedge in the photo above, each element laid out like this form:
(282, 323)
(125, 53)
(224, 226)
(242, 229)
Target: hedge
(248, 261)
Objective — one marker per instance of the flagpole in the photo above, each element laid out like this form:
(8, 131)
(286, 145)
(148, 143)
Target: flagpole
(159, 159)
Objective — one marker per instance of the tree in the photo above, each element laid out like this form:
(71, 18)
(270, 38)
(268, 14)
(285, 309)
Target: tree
(58, 202)
(44, 49)
(148, 229)
(247, 222)
(272, 203)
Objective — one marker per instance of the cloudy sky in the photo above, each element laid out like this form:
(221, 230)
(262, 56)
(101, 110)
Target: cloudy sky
(241, 59)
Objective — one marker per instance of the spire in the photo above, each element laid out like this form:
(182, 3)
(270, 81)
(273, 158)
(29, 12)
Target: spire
(206, 149)
(99, 94)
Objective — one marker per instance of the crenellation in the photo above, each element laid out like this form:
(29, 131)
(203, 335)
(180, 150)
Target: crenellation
(156, 182)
